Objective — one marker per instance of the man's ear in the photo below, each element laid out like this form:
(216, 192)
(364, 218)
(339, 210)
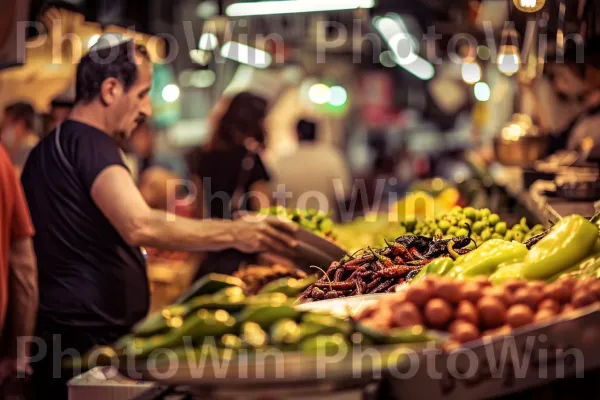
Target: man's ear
(110, 90)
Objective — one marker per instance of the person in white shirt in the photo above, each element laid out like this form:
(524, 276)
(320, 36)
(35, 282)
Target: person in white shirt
(314, 176)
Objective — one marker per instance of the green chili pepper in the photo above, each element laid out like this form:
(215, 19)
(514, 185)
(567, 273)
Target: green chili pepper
(289, 286)
(285, 332)
(440, 266)
(415, 334)
(422, 273)
(451, 250)
(210, 284)
(267, 315)
(325, 345)
(505, 272)
(158, 322)
(485, 259)
(569, 241)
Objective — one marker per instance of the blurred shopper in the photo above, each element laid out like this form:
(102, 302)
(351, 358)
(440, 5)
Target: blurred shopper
(18, 278)
(60, 108)
(313, 173)
(91, 219)
(575, 96)
(229, 173)
(17, 132)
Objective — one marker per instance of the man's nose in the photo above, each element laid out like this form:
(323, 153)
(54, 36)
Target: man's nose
(146, 109)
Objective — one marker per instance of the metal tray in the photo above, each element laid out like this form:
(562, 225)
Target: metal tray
(316, 250)
(271, 368)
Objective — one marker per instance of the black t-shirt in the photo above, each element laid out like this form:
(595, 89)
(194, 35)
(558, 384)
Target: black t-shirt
(221, 172)
(88, 275)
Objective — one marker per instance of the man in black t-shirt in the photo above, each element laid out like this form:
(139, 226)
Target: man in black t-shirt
(91, 219)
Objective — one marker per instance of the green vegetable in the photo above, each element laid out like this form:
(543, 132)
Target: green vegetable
(265, 316)
(494, 219)
(324, 324)
(415, 334)
(285, 332)
(567, 243)
(486, 258)
(289, 286)
(500, 228)
(325, 345)
(440, 266)
(506, 271)
(203, 323)
(159, 322)
(210, 284)
(254, 336)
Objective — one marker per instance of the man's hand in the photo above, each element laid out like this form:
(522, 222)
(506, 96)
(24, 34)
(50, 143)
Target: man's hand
(257, 234)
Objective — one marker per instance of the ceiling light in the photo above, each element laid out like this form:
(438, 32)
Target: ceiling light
(246, 55)
(294, 6)
(509, 60)
(482, 91)
(529, 6)
(471, 72)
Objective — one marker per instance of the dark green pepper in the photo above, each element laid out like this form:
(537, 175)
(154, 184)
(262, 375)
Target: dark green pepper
(253, 336)
(267, 315)
(568, 242)
(209, 284)
(285, 332)
(202, 323)
(415, 334)
(289, 286)
(323, 324)
(230, 299)
(325, 345)
(158, 322)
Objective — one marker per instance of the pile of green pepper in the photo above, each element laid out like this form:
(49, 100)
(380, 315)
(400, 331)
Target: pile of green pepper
(217, 316)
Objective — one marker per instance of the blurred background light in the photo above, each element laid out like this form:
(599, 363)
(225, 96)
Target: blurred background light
(471, 72)
(170, 93)
(482, 91)
(208, 41)
(319, 93)
(294, 6)
(246, 55)
(337, 96)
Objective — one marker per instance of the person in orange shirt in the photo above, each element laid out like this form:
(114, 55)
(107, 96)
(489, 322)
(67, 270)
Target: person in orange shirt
(18, 273)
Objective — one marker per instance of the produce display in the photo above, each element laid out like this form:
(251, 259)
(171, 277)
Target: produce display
(546, 256)
(216, 316)
(469, 310)
(481, 225)
(382, 270)
(255, 277)
(313, 220)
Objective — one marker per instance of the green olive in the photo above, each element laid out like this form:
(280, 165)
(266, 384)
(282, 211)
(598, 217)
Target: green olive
(494, 219)
(485, 212)
(500, 228)
(518, 236)
(509, 235)
(462, 232)
(486, 234)
(443, 225)
(478, 227)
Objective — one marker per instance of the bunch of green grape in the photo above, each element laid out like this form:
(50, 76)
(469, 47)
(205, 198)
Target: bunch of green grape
(483, 223)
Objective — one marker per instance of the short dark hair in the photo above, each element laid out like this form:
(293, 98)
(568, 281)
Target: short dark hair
(21, 111)
(93, 69)
(306, 130)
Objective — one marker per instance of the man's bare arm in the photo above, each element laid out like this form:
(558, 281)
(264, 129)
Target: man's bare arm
(23, 292)
(115, 193)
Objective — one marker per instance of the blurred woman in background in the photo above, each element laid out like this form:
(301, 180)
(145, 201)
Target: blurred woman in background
(229, 173)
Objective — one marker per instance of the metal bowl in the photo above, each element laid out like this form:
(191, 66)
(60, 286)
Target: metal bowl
(523, 152)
